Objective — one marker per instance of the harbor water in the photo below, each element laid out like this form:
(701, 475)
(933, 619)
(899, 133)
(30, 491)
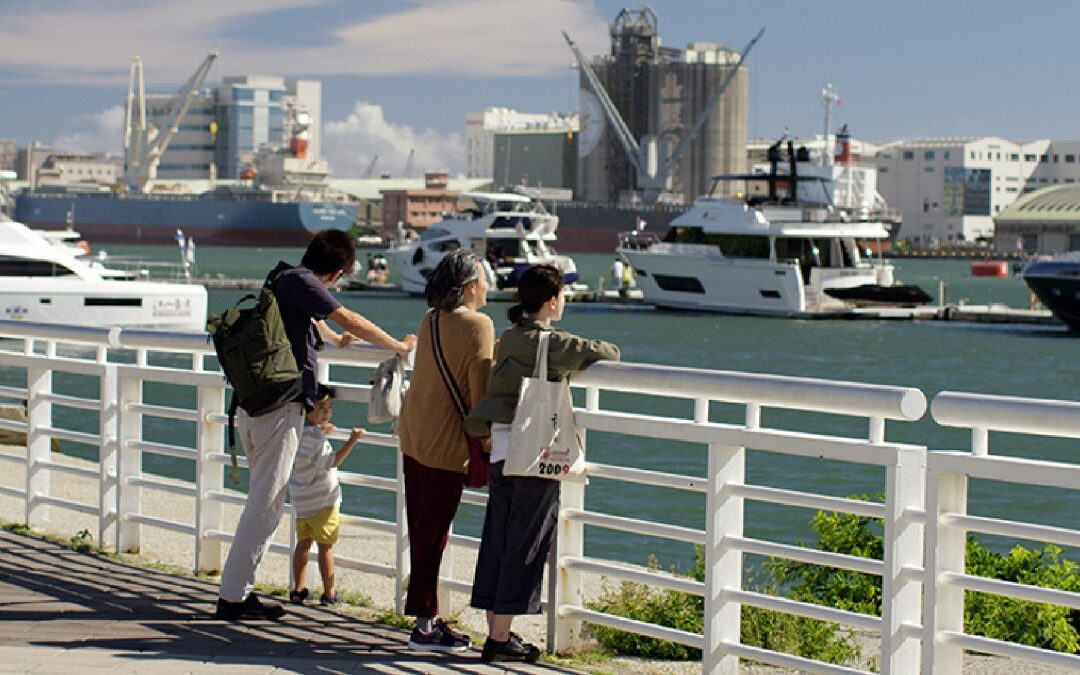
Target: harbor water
(1029, 361)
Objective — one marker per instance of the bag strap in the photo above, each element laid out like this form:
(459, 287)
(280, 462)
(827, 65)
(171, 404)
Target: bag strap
(444, 368)
(234, 472)
(540, 370)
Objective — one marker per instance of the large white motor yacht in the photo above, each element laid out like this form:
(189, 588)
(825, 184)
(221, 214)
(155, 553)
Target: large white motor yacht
(784, 249)
(40, 281)
(511, 231)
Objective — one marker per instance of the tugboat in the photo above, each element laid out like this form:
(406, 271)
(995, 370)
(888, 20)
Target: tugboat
(1056, 282)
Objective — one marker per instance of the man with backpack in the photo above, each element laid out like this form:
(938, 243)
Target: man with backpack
(270, 439)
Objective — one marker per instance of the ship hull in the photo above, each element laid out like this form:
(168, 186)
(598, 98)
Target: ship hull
(1058, 288)
(154, 220)
(594, 228)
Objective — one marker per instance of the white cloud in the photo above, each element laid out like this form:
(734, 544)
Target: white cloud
(350, 144)
(104, 135)
(93, 41)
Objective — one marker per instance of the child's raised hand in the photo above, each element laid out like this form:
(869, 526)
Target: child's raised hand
(327, 428)
(356, 434)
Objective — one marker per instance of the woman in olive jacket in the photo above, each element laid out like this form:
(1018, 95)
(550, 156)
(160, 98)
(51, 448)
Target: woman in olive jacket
(522, 512)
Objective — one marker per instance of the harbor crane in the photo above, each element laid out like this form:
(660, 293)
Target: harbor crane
(145, 143)
(409, 162)
(654, 175)
(371, 167)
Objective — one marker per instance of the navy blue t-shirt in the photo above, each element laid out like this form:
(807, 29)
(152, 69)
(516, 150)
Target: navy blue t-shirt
(302, 298)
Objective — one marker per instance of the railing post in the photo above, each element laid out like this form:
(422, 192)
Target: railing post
(208, 479)
(723, 564)
(108, 492)
(901, 595)
(401, 547)
(38, 444)
(129, 497)
(946, 547)
(569, 542)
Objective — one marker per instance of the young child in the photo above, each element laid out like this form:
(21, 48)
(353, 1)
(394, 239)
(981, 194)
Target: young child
(316, 496)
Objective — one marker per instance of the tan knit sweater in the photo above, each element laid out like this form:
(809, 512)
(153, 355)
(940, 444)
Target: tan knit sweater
(430, 428)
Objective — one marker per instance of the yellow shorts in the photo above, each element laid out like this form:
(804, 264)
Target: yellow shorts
(323, 527)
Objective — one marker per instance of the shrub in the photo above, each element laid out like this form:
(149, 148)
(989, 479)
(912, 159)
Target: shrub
(1036, 624)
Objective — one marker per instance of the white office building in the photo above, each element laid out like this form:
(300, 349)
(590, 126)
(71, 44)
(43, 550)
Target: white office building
(226, 125)
(480, 130)
(950, 189)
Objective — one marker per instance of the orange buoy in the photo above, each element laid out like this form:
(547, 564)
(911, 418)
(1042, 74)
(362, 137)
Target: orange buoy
(990, 268)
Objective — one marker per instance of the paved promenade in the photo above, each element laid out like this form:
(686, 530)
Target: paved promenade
(62, 611)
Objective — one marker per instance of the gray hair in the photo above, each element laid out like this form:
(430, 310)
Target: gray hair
(446, 284)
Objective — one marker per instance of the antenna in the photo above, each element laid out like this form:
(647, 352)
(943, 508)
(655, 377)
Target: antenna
(829, 96)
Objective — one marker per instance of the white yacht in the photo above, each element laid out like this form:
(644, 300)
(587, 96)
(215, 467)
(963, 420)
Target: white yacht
(783, 249)
(41, 281)
(511, 231)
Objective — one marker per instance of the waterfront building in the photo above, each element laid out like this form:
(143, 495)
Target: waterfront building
(951, 189)
(539, 158)
(660, 92)
(1044, 221)
(481, 128)
(29, 158)
(418, 208)
(227, 125)
(8, 154)
(65, 169)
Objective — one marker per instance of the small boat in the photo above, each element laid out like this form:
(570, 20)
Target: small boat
(1056, 282)
(512, 232)
(784, 249)
(990, 268)
(42, 281)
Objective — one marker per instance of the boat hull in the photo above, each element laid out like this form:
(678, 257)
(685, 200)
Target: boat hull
(121, 304)
(1059, 292)
(154, 220)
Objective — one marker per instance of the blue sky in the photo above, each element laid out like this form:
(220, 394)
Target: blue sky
(403, 74)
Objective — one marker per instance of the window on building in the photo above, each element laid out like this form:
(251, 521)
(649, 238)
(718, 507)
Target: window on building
(973, 154)
(1069, 159)
(1069, 180)
(1055, 158)
(243, 94)
(1014, 157)
(997, 208)
(908, 154)
(883, 169)
(1074, 242)
(1031, 158)
(945, 154)
(1029, 243)
(928, 169)
(926, 206)
(928, 155)
(1043, 158)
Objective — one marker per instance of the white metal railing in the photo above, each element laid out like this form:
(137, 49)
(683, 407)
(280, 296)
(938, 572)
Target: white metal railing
(949, 522)
(123, 361)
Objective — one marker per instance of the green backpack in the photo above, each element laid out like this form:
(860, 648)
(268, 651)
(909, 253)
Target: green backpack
(256, 355)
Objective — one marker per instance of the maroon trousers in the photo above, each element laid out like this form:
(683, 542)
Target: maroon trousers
(431, 500)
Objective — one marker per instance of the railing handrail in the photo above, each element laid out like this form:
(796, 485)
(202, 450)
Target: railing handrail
(915, 573)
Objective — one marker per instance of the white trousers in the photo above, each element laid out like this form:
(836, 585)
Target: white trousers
(270, 442)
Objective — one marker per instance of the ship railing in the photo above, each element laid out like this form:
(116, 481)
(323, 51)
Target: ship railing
(949, 481)
(118, 380)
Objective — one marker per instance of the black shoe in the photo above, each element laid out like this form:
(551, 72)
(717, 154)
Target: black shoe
(441, 638)
(251, 608)
(329, 600)
(511, 650)
(298, 597)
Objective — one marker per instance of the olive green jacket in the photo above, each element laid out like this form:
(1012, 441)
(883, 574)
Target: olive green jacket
(515, 357)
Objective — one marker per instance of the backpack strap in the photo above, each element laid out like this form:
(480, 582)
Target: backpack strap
(234, 472)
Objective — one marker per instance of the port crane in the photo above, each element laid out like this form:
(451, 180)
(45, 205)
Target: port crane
(145, 143)
(654, 174)
(371, 167)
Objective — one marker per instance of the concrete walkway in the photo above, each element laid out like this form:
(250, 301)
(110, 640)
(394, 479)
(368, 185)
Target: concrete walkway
(62, 611)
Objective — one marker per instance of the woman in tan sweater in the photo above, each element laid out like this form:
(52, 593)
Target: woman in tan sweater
(432, 438)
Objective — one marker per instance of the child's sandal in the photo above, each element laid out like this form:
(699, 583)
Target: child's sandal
(298, 597)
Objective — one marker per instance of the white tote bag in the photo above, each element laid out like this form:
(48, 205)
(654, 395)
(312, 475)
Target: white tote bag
(388, 389)
(544, 441)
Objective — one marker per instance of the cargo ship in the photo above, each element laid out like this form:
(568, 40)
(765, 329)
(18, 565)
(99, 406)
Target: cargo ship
(224, 217)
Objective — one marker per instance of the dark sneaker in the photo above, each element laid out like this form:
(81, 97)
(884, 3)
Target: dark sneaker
(251, 608)
(298, 597)
(439, 639)
(329, 600)
(513, 649)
